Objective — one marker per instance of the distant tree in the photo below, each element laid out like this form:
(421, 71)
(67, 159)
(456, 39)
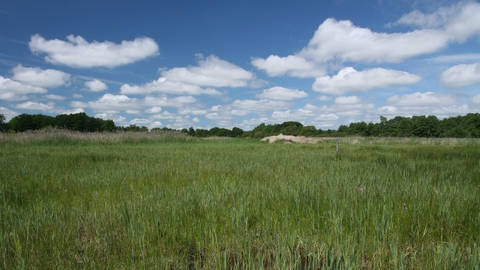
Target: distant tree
(191, 131)
(472, 124)
(223, 132)
(237, 132)
(201, 132)
(108, 125)
(213, 131)
(343, 129)
(458, 132)
(308, 131)
(259, 131)
(383, 123)
(3, 123)
(22, 122)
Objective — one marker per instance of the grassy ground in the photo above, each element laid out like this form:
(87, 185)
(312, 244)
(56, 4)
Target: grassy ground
(176, 203)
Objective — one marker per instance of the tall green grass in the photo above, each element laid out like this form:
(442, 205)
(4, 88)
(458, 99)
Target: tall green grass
(239, 204)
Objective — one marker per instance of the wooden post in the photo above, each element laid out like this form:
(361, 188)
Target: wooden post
(337, 146)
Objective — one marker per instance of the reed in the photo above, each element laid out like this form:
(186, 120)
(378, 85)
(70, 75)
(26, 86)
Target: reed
(143, 201)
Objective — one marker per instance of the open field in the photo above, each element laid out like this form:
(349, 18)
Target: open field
(70, 201)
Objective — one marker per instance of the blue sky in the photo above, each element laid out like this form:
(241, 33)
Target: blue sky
(240, 63)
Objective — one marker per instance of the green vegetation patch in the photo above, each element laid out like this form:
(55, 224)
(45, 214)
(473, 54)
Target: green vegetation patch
(239, 203)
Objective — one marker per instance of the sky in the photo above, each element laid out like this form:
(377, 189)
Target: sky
(204, 64)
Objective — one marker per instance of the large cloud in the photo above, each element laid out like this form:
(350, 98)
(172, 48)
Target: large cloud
(351, 80)
(14, 90)
(78, 53)
(211, 71)
(164, 85)
(282, 93)
(113, 104)
(36, 106)
(427, 99)
(458, 21)
(341, 41)
(346, 42)
(48, 78)
(461, 76)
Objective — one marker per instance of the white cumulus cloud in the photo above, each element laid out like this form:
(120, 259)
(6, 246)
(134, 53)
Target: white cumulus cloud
(461, 76)
(55, 97)
(96, 85)
(113, 104)
(350, 80)
(14, 90)
(259, 105)
(36, 106)
(76, 52)
(48, 78)
(282, 93)
(163, 85)
(292, 115)
(347, 100)
(9, 114)
(341, 41)
(476, 100)
(291, 65)
(459, 21)
(346, 42)
(211, 71)
(154, 109)
(423, 100)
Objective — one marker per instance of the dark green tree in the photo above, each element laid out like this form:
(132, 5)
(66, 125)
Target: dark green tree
(22, 122)
(237, 132)
(3, 123)
(383, 123)
(458, 132)
(201, 132)
(213, 131)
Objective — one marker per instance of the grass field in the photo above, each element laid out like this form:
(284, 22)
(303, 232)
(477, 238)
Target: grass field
(170, 202)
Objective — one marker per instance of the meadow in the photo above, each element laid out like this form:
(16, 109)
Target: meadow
(167, 201)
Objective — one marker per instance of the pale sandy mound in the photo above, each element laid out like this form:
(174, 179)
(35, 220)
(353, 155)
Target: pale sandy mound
(290, 138)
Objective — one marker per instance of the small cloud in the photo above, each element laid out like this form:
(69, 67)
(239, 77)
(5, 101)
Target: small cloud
(154, 109)
(325, 98)
(96, 85)
(282, 93)
(55, 97)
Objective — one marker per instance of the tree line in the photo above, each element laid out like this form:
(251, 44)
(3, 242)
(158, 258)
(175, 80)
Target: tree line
(78, 122)
(467, 126)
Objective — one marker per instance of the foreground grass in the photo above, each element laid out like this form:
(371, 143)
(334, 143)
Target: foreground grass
(217, 204)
